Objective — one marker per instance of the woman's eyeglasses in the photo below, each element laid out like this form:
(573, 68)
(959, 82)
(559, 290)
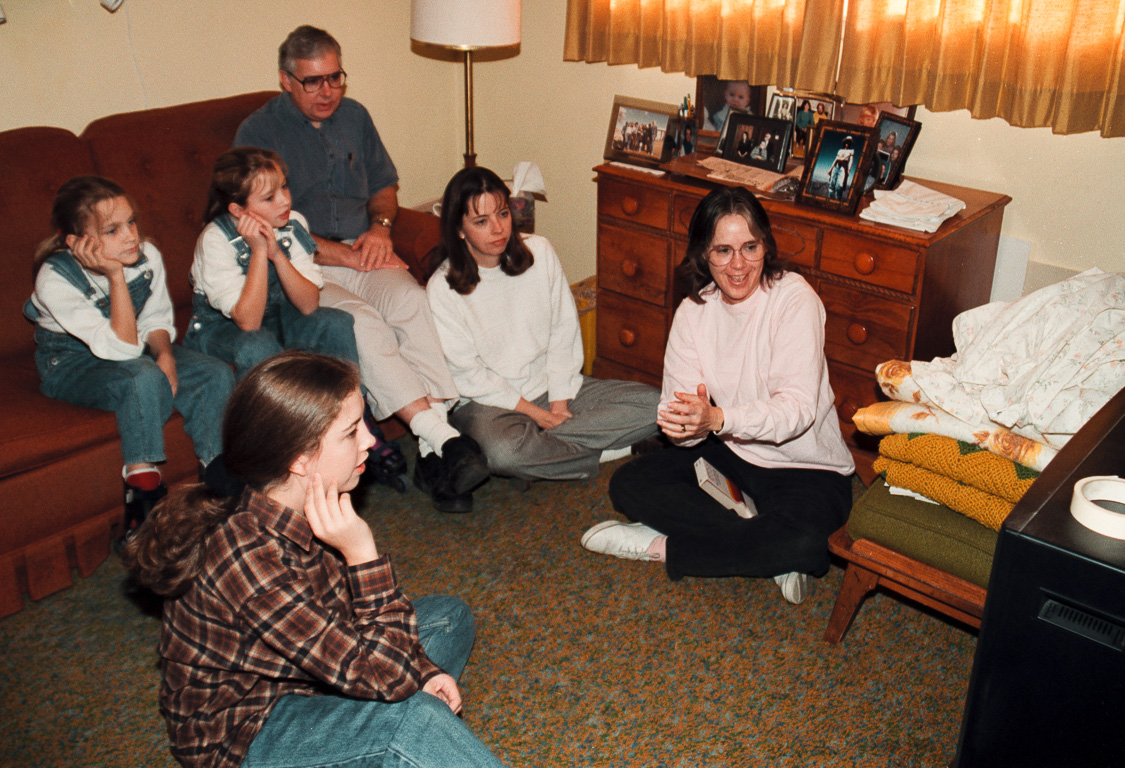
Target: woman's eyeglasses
(720, 255)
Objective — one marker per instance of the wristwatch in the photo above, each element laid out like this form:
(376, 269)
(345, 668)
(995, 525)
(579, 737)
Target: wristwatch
(384, 222)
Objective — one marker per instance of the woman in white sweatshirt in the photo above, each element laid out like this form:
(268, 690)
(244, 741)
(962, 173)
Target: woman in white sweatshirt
(509, 328)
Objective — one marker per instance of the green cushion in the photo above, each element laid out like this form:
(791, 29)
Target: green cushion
(929, 533)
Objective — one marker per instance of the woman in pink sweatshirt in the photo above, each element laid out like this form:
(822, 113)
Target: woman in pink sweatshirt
(745, 388)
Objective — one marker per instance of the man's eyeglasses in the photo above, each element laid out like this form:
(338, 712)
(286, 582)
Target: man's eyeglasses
(720, 255)
(312, 84)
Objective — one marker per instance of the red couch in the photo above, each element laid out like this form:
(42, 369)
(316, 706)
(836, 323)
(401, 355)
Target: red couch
(60, 486)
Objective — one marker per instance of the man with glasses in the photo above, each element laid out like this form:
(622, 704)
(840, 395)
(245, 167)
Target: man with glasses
(342, 179)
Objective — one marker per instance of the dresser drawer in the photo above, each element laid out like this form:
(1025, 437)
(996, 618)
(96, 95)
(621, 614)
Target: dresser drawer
(864, 330)
(632, 202)
(683, 207)
(633, 264)
(796, 242)
(871, 261)
(631, 332)
(853, 390)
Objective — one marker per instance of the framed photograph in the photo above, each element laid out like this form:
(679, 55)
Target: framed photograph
(715, 98)
(836, 166)
(762, 142)
(811, 109)
(641, 132)
(782, 106)
(867, 115)
(894, 137)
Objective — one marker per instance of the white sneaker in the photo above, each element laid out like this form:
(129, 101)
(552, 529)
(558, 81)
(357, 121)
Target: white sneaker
(794, 586)
(625, 540)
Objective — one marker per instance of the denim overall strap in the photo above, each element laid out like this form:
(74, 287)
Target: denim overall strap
(229, 228)
(64, 263)
(294, 230)
(297, 231)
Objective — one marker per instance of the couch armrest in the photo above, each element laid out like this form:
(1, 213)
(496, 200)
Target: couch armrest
(416, 236)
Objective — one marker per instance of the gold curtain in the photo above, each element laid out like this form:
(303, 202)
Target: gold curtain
(762, 41)
(1031, 62)
(1058, 63)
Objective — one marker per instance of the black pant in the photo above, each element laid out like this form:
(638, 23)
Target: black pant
(798, 509)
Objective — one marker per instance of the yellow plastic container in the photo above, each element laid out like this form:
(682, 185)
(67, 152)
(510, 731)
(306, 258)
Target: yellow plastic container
(585, 297)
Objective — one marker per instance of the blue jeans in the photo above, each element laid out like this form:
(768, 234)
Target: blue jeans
(421, 732)
(325, 330)
(138, 392)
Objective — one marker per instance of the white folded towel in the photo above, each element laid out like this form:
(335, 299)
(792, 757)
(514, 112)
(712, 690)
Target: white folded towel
(912, 206)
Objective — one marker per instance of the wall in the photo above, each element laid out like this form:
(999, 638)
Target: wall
(66, 62)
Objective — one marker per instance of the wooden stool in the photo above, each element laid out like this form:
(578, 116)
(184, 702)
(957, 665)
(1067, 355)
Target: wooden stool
(871, 565)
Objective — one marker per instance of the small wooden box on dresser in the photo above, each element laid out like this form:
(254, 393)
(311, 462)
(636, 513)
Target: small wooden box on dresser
(890, 293)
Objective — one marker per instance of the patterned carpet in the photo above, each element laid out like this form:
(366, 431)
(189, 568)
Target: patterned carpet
(581, 660)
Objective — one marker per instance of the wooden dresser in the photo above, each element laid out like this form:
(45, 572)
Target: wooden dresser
(889, 293)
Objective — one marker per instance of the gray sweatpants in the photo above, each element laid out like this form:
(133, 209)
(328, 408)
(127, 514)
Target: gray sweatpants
(607, 414)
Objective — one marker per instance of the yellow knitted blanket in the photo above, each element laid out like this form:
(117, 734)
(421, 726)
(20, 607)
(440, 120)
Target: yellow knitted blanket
(963, 477)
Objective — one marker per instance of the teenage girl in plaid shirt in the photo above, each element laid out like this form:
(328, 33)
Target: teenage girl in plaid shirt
(286, 639)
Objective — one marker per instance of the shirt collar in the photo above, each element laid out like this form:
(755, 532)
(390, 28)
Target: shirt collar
(279, 518)
(292, 113)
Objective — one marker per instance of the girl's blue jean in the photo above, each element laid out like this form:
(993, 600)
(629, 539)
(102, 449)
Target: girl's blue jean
(139, 393)
(325, 330)
(421, 732)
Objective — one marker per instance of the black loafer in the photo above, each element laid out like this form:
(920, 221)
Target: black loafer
(431, 479)
(464, 463)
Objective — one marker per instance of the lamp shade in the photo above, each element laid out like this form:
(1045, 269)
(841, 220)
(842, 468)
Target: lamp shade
(465, 24)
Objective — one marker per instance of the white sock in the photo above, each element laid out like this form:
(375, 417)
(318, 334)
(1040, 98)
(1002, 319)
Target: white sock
(432, 431)
(613, 454)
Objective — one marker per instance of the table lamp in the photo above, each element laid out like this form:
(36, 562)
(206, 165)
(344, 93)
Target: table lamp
(466, 25)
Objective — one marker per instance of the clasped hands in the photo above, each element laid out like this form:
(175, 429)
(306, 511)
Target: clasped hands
(690, 415)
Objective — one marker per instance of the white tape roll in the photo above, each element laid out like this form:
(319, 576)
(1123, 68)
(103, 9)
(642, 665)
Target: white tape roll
(1099, 504)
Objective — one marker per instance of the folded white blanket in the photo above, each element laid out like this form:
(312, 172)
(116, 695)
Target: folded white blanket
(912, 206)
(1040, 366)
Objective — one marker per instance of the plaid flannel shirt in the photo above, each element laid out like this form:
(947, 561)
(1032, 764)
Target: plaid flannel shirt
(275, 613)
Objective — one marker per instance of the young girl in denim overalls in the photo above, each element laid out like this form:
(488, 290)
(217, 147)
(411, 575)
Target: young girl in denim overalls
(104, 334)
(257, 288)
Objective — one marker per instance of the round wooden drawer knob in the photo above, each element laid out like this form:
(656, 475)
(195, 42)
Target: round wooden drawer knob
(626, 337)
(630, 205)
(629, 268)
(847, 411)
(857, 334)
(864, 263)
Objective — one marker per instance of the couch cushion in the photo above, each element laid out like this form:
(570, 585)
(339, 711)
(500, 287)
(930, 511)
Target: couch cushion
(36, 430)
(163, 158)
(929, 533)
(34, 163)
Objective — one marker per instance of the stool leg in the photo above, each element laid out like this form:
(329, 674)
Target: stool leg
(858, 582)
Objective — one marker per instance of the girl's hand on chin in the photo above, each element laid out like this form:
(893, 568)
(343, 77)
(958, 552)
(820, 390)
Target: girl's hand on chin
(334, 521)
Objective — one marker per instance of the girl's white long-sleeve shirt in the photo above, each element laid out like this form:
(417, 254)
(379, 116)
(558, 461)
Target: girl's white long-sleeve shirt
(511, 337)
(216, 273)
(64, 308)
(763, 363)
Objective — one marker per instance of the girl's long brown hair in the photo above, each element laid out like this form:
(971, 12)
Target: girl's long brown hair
(279, 412)
(462, 191)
